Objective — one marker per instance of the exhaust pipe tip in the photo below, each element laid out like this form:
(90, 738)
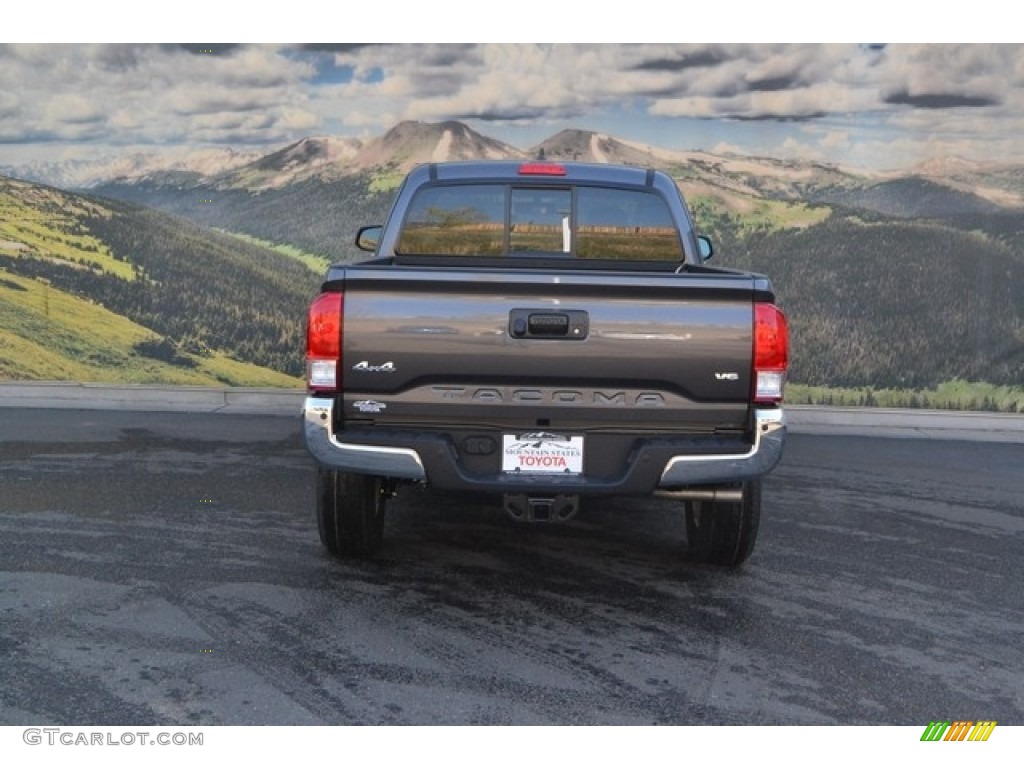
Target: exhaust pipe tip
(713, 495)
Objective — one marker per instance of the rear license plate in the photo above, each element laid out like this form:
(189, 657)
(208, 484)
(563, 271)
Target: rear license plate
(542, 453)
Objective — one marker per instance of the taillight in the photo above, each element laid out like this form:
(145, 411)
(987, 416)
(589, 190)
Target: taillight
(771, 353)
(323, 342)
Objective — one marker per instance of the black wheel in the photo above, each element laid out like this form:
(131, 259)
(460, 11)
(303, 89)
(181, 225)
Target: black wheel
(723, 533)
(350, 512)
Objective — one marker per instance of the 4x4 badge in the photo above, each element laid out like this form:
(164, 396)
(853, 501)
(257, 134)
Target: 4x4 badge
(365, 367)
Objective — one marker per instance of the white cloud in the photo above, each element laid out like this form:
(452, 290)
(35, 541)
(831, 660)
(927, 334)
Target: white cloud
(74, 109)
(835, 140)
(147, 94)
(908, 99)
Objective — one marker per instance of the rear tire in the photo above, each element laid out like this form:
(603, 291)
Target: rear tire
(724, 533)
(350, 513)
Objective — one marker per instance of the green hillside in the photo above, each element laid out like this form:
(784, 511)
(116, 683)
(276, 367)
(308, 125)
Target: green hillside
(317, 217)
(41, 223)
(98, 291)
(882, 303)
(47, 334)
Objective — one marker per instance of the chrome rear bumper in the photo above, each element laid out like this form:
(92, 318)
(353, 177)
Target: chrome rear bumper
(679, 471)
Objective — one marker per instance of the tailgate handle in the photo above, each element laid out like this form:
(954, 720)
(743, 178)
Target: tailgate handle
(571, 324)
(547, 324)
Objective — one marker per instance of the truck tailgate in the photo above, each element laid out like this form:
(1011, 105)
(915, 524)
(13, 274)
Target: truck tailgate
(651, 352)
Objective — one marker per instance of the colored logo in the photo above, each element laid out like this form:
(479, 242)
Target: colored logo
(959, 730)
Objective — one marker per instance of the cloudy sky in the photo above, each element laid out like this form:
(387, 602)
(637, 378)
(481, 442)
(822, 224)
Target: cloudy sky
(864, 105)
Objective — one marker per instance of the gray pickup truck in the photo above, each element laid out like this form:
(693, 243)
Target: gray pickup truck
(544, 332)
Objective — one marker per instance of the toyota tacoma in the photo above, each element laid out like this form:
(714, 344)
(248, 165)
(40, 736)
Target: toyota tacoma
(544, 332)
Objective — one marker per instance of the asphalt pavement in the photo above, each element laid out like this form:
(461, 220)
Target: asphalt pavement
(164, 568)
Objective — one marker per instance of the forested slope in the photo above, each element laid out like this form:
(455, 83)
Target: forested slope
(199, 293)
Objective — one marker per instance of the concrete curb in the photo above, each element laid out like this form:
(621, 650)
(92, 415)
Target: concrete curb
(976, 426)
(145, 397)
(803, 419)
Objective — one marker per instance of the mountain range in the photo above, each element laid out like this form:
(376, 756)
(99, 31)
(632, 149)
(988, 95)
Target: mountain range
(294, 194)
(902, 279)
(329, 158)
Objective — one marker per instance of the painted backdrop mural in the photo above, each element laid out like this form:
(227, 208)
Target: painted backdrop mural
(166, 210)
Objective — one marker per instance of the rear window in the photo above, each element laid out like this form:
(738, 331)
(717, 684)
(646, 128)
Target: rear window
(499, 220)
